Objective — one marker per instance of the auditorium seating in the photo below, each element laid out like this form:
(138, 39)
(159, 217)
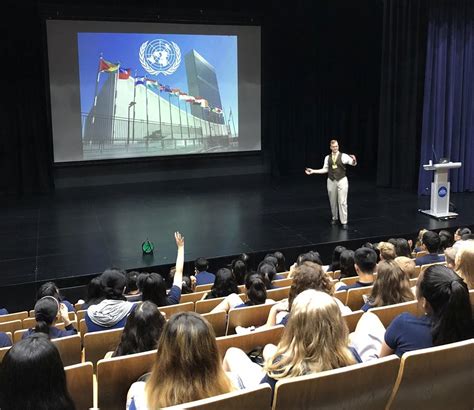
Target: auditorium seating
(436, 378)
(70, 349)
(424, 267)
(4, 350)
(387, 313)
(192, 297)
(116, 375)
(248, 316)
(11, 326)
(352, 319)
(361, 386)
(257, 398)
(341, 295)
(218, 321)
(79, 380)
(281, 283)
(278, 293)
(14, 316)
(349, 281)
(97, 344)
(355, 297)
(172, 309)
(249, 341)
(203, 288)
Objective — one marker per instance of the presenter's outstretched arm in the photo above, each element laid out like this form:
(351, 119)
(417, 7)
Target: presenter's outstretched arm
(178, 276)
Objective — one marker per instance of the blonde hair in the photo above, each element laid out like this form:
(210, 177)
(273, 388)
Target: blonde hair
(419, 240)
(450, 256)
(387, 250)
(407, 265)
(188, 364)
(391, 286)
(464, 265)
(314, 340)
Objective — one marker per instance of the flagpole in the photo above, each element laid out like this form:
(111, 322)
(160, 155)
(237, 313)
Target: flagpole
(233, 125)
(115, 102)
(146, 109)
(134, 105)
(171, 115)
(96, 89)
(225, 125)
(159, 107)
(194, 122)
(187, 119)
(209, 123)
(180, 124)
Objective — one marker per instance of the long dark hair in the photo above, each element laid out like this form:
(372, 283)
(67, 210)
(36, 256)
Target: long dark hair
(239, 269)
(32, 377)
(154, 289)
(95, 293)
(336, 255)
(113, 284)
(256, 289)
(451, 311)
(48, 289)
(46, 310)
(347, 264)
(142, 330)
(281, 261)
(224, 284)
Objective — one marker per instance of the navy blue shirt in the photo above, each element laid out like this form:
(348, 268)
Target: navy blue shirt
(408, 332)
(54, 332)
(4, 340)
(3, 312)
(93, 327)
(356, 285)
(430, 258)
(205, 278)
(272, 382)
(174, 296)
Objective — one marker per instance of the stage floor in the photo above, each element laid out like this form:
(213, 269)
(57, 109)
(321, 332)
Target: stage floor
(78, 232)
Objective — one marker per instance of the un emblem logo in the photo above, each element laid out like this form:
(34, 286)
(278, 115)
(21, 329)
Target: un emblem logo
(160, 56)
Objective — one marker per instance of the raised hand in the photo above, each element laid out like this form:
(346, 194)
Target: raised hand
(353, 157)
(308, 171)
(179, 239)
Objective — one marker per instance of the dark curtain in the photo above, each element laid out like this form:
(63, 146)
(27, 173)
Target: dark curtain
(25, 148)
(321, 71)
(401, 93)
(448, 110)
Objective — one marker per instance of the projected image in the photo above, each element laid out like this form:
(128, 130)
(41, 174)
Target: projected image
(157, 94)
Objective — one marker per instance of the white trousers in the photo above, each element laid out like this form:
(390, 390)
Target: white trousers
(337, 192)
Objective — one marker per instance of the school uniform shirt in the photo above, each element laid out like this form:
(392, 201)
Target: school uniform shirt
(4, 340)
(3, 312)
(54, 332)
(272, 382)
(408, 332)
(174, 295)
(430, 258)
(355, 285)
(205, 278)
(69, 305)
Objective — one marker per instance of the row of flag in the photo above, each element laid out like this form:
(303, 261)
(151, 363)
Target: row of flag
(124, 74)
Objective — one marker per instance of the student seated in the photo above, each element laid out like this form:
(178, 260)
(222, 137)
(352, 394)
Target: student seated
(113, 311)
(4, 340)
(142, 330)
(256, 294)
(50, 289)
(464, 263)
(347, 264)
(94, 294)
(224, 285)
(315, 317)
(336, 259)
(203, 277)
(32, 377)
(306, 276)
(3, 311)
(365, 262)
(448, 318)
(391, 286)
(47, 312)
(187, 366)
(387, 251)
(430, 243)
(131, 288)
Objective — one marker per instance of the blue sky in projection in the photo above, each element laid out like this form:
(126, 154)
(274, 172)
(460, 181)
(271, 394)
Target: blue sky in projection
(219, 51)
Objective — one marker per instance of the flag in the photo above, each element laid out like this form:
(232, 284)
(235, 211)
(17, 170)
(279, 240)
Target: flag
(183, 96)
(107, 66)
(139, 80)
(149, 80)
(198, 100)
(165, 88)
(124, 73)
(204, 103)
(175, 91)
(217, 110)
(190, 99)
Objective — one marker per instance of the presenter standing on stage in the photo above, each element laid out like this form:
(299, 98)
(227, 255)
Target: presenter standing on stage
(338, 185)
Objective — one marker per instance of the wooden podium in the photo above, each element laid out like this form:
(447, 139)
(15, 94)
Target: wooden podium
(440, 188)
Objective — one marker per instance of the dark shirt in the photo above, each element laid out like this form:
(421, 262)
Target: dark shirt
(205, 278)
(408, 332)
(356, 285)
(430, 258)
(272, 382)
(174, 296)
(3, 312)
(54, 332)
(4, 340)
(93, 327)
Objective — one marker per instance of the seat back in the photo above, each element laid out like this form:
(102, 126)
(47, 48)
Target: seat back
(192, 297)
(248, 316)
(355, 297)
(18, 335)
(172, 309)
(387, 313)
(352, 319)
(79, 380)
(249, 341)
(97, 344)
(424, 267)
(202, 288)
(218, 321)
(205, 306)
(361, 386)
(282, 283)
(30, 322)
(349, 281)
(341, 295)
(4, 350)
(69, 348)
(14, 316)
(116, 375)
(11, 326)
(436, 378)
(257, 398)
(81, 314)
(278, 293)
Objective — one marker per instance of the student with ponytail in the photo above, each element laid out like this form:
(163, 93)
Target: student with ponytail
(47, 312)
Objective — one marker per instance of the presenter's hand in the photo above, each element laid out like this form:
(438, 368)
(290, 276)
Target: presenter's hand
(354, 158)
(179, 239)
(308, 171)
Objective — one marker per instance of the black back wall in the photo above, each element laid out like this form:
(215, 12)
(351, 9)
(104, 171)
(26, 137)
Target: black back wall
(321, 65)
